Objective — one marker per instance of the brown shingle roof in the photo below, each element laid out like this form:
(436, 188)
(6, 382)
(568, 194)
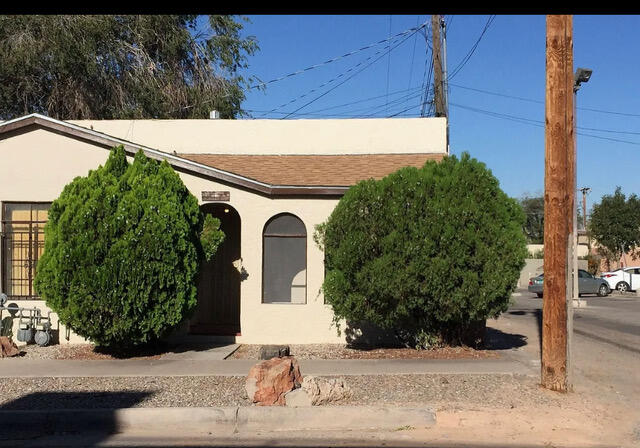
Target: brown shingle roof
(312, 170)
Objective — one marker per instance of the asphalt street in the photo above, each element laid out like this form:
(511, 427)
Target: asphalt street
(605, 345)
(614, 319)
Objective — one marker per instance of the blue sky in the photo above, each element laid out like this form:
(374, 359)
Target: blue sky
(509, 60)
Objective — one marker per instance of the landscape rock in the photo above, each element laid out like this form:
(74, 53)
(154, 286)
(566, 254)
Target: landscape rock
(274, 351)
(8, 347)
(297, 398)
(269, 381)
(323, 391)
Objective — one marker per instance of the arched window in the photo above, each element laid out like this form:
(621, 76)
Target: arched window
(284, 260)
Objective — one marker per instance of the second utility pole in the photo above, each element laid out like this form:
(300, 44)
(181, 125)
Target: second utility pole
(559, 194)
(584, 191)
(438, 90)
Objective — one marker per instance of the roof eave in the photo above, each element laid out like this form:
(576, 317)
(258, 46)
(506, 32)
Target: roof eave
(109, 141)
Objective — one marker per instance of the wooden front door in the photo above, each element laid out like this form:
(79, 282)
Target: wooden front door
(218, 310)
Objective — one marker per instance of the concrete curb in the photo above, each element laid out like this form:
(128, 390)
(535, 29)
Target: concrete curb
(227, 419)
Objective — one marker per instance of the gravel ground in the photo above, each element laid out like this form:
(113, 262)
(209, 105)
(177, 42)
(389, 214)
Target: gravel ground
(341, 351)
(441, 391)
(82, 351)
(250, 351)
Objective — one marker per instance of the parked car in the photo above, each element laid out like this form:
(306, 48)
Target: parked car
(587, 284)
(623, 279)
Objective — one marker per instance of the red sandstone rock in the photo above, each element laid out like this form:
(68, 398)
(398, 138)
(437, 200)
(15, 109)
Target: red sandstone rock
(270, 380)
(8, 347)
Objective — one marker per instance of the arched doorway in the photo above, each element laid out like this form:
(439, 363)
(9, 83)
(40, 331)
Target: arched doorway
(218, 310)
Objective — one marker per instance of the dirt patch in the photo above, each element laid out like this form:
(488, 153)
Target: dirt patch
(342, 351)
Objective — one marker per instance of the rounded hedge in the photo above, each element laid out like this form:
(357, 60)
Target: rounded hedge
(122, 252)
(430, 252)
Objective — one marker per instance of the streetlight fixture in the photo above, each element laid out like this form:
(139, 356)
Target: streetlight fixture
(581, 75)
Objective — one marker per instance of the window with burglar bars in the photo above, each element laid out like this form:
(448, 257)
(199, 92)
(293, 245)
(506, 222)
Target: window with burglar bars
(22, 245)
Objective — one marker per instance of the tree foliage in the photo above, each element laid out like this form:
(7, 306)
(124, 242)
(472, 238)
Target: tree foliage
(117, 67)
(427, 252)
(533, 207)
(615, 224)
(122, 252)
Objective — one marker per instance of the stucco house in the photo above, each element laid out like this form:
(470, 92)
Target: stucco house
(270, 182)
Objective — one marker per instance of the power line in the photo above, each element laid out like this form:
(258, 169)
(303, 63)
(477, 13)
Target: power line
(609, 112)
(358, 113)
(426, 97)
(412, 89)
(472, 50)
(400, 101)
(315, 89)
(337, 58)
(402, 111)
(537, 123)
(609, 131)
(449, 22)
(390, 49)
(530, 100)
(413, 54)
(426, 82)
(365, 112)
(389, 58)
(497, 94)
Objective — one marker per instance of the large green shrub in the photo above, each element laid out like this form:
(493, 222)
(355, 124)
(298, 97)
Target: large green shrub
(122, 252)
(430, 253)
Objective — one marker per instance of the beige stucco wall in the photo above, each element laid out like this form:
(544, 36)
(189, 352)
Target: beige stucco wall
(59, 332)
(36, 165)
(327, 136)
(583, 248)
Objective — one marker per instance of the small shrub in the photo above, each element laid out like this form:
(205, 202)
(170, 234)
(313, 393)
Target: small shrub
(122, 252)
(430, 253)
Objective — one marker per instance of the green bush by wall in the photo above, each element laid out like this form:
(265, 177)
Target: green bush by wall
(430, 253)
(122, 252)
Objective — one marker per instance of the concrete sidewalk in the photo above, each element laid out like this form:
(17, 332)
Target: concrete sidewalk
(30, 368)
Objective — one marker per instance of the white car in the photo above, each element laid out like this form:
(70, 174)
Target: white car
(624, 279)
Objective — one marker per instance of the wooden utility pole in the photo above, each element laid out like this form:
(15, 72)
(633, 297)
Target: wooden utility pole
(559, 194)
(584, 191)
(438, 91)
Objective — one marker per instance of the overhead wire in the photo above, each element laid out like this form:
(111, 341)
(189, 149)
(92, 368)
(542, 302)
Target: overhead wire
(389, 49)
(408, 93)
(337, 58)
(324, 84)
(537, 123)
(530, 100)
(413, 89)
(464, 60)
(413, 53)
(426, 82)
(389, 58)
(398, 102)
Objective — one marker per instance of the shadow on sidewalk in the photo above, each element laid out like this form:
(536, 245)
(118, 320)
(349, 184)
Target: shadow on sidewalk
(42, 414)
(537, 313)
(499, 340)
(162, 348)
